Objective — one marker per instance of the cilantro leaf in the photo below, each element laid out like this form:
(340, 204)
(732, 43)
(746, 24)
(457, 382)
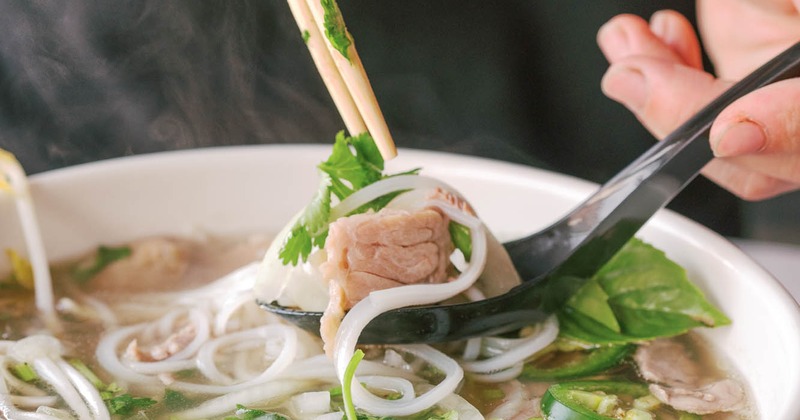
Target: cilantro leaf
(175, 401)
(309, 227)
(359, 169)
(335, 30)
(354, 163)
(126, 404)
(367, 151)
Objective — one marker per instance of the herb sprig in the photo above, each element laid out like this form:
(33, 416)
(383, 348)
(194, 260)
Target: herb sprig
(354, 163)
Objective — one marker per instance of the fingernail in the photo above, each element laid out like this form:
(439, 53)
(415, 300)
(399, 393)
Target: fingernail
(612, 39)
(741, 138)
(659, 24)
(626, 85)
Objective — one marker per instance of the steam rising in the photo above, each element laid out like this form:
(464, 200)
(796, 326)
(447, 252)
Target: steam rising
(81, 81)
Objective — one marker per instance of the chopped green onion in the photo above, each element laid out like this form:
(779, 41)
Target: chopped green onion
(24, 372)
(349, 372)
(85, 371)
(126, 404)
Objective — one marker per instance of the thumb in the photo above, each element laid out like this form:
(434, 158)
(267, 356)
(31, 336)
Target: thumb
(661, 93)
(764, 122)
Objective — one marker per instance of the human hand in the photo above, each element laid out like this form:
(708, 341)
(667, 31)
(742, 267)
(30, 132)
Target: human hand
(656, 72)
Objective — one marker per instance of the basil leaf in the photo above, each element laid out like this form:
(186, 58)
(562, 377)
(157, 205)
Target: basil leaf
(640, 294)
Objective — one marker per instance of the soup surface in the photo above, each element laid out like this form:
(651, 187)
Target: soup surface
(168, 328)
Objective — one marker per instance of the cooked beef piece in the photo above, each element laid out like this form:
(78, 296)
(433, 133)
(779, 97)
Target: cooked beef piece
(376, 251)
(722, 395)
(677, 379)
(666, 361)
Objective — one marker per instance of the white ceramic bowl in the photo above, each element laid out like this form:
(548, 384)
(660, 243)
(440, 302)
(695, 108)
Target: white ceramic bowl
(248, 189)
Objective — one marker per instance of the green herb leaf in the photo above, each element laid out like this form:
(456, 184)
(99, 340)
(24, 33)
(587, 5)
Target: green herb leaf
(360, 168)
(175, 401)
(105, 256)
(335, 29)
(126, 404)
(354, 163)
(648, 295)
(592, 301)
(306, 36)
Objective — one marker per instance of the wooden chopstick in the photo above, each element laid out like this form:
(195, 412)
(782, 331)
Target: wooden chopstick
(346, 80)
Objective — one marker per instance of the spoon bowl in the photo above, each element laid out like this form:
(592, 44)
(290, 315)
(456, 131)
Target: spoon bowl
(578, 244)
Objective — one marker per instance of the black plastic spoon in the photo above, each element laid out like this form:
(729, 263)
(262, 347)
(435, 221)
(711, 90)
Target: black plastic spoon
(575, 246)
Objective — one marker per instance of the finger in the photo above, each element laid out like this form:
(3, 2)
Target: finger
(662, 94)
(764, 122)
(744, 182)
(629, 35)
(679, 35)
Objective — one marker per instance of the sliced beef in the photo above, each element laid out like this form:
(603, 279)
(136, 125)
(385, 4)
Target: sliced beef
(517, 404)
(171, 345)
(723, 395)
(377, 251)
(667, 361)
(676, 380)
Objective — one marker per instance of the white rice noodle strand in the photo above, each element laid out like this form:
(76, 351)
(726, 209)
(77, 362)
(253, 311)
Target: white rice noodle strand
(108, 358)
(521, 350)
(51, 373)
(383, 187)
(205, 359)
(504, 375)
(381, 301)
(26, 401)
(263, 394)
(88, 392)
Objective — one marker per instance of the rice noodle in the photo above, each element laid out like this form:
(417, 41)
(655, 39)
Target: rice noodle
(205, 359)
(383, 187)
(520, 350)
(9, 402)
(262, 394)
(33, 402)
(381, 301)
(89, 393)
(106, 353)
(50, 372)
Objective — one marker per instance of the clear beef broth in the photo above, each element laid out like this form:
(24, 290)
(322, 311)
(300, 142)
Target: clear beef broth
(204, 261)
(488, 397)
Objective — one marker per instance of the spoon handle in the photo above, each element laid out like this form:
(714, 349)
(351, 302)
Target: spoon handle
(603, 224)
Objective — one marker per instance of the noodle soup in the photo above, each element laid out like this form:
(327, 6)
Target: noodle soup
(191, 343)
(101, 226)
